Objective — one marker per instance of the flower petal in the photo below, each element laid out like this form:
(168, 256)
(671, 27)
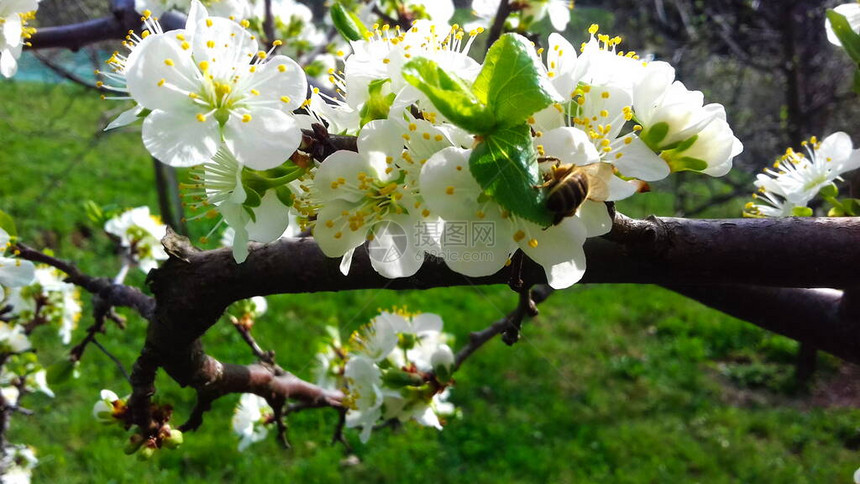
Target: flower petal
(178, 139)
(263, 138)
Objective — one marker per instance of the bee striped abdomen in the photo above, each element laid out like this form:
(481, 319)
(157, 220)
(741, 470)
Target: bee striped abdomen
(567, 193)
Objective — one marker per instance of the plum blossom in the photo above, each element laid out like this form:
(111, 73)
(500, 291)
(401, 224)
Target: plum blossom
(60, 301)
(140, 233)
(13, 272)
(452, 192)
(213, 84)
(249, 419)
(14, 32)
(17, 463)
(109, 407)
(796, 178)
(365, 198)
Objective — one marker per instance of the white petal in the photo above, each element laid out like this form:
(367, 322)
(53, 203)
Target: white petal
(379, 141)
(178, 139)
(8, 62)
(278, 80)
(125, 118)
(559, 250)
(595, 217)
(346, 261)
(265, 141)
(157, 58)
(16, 272)
(427, 322)
(348, 165)
(448, 187)
(336, 240)
(637, 160)
(393, 250)
(570, 145)
(272, 218)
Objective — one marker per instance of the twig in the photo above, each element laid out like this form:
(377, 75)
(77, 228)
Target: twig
(113, 358)
(499, 22)
(525, 307)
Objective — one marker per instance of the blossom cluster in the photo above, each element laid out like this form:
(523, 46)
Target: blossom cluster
(795, 179)
(397, 367)
(451, 160)
(139, 234)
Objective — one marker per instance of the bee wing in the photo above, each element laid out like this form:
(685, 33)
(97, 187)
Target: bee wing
(598, 180)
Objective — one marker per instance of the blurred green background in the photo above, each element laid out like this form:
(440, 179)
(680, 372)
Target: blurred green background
(611, 383)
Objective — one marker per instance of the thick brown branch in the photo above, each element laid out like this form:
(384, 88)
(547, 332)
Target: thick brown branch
(809, 315)
(109, 292)
(217, 379)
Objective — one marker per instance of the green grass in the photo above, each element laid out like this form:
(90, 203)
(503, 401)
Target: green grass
(611, 383)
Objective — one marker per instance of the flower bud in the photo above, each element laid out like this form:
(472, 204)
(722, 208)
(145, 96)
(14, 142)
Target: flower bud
(173, 440)
(400, 379)
(134, 443)
(442, 361)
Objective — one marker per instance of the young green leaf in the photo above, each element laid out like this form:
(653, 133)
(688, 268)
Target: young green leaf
(7, 224)
(450, 95)
(849, 39)
(347, 23)
(505, 166)
(513, 82)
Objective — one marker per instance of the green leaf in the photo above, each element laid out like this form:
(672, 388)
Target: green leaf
(450, 95)
(849, 39)
(829, 191)
(505, 165)
(512, 83)
(851, 206)
(801, 212)
(347, 23)
(857, 81)
(378, 104)
(7, 224)
(60, 372)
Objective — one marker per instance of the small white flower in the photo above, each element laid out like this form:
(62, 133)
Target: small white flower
(139, 232)
(249, 419)
(796, 178)
(105, 407)
(14, 15)
(13, 338)
(215, 85)
(364, 395)
(375, 340)
(39, 381)
(13, 272)
(18, 464)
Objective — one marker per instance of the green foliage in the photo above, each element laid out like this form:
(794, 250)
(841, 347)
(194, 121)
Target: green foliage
(347, 22)
(450, 95)
(510, 88)
(505, 166)
(511, 81)
(7, 224)
(850, 41)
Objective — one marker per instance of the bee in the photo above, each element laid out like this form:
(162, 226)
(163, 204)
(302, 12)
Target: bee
(568, 186)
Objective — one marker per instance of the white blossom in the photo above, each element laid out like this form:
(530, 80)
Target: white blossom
(249, 419)
(140, 233)
(13, 272)
(14, 16)
(214, 85)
